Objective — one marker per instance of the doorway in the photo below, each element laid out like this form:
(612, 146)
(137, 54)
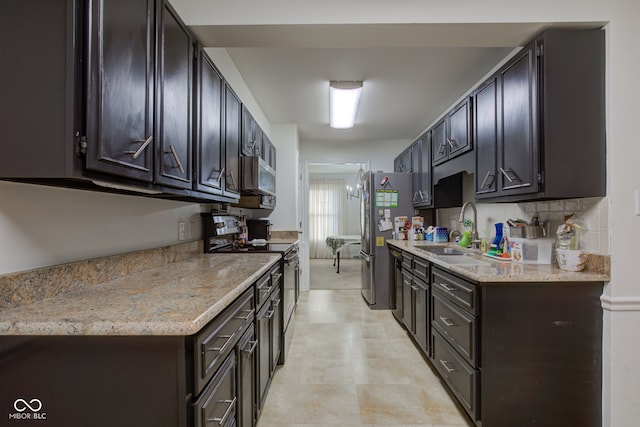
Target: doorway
(331, 206)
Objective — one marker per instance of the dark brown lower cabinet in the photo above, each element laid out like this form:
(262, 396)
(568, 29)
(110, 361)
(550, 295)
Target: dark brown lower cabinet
(246, 356)
(519, 354)
(209, 378)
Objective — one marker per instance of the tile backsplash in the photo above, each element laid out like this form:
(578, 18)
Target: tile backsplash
(592, 214)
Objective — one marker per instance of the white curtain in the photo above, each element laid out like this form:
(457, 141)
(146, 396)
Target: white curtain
(327, 214)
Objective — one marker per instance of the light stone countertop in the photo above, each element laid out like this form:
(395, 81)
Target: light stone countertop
(176, 299)
(496, 271)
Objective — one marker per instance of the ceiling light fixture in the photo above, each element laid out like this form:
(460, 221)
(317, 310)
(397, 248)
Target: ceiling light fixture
(343, 103)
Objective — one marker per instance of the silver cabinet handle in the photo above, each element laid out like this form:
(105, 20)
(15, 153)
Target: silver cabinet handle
(447, 321)
(452, 142)
(506, 174)
(224, 346)
(145, 143)
(446, 366)
(448, 287)
(276, 277)
(175, 156)
(222, 421)
(248, 316)
(220, 177)
(486, 178)
(231, 180)
(270, 314)
(442, 147)
(275, 304)
(252, 348)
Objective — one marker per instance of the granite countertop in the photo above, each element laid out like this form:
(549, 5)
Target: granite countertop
(497, 271)
(176, 299)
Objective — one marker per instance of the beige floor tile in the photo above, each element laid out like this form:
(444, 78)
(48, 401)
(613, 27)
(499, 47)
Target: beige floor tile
(352, 366)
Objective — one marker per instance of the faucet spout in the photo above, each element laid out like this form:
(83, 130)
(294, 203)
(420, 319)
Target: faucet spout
(474, 229)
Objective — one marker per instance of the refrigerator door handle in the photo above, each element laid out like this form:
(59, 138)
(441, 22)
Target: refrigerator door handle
(365, 256)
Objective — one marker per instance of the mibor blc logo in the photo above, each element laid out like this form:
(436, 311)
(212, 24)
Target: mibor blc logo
(28, 410)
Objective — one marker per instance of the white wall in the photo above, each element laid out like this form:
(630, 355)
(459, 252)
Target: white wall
(286, 214)
(42, 226)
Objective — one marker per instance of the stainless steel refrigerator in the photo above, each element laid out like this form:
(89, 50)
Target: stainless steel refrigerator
(384, 196)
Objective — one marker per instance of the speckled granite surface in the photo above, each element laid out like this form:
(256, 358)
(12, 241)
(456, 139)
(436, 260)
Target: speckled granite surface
(495, 271)
(176, 298)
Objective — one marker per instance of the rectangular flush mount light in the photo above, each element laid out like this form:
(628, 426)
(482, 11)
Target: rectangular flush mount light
(343, 103)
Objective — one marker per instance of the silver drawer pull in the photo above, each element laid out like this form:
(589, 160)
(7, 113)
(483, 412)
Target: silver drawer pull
(221, 421)
(224, 346)
(446, 366)
(145, 143)
(275, 304)
(276, 277)
(249, 315)
(270, 314)
(177, 159)
(415, 288)
(447, 321)
(448, 287)
(252, 348)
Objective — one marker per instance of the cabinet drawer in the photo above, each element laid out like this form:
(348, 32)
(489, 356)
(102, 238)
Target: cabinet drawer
(216, 341)
(218, 402)
(421, 269)
(407, 261)
(457, 290)
(263, 290)
(458, 327)
(461, 378)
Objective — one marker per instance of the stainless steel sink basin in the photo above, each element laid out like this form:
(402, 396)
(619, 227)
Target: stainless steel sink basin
(451, 256)
(443, 250)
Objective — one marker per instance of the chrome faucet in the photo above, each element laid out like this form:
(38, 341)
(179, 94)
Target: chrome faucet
(475, 242)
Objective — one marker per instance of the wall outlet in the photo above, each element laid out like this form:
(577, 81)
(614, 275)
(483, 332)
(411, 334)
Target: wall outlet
(182, 230)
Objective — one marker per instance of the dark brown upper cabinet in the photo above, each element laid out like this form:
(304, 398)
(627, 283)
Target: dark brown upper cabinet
(120, 104)
(210, 155)
(451, 136)
(232, 133)
(251, 134)
(403, 162)
(421, 169)
(174, 102)
(540, 121)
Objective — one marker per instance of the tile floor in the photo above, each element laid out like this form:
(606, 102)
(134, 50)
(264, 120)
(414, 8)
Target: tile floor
(351, 366)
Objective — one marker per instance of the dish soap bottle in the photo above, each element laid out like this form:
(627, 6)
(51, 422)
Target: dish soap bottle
(466, 239)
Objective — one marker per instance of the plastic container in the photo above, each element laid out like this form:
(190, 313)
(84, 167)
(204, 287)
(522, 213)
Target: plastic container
(532, 251)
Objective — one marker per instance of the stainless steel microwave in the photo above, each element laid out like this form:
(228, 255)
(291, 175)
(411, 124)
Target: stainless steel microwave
(258, 177)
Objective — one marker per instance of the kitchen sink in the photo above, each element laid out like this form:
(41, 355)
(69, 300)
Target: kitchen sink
(451, 256)
(443, 250)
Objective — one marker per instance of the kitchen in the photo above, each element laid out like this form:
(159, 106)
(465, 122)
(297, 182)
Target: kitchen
(44, 226)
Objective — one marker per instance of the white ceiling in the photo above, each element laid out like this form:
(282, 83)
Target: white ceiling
(412, 72)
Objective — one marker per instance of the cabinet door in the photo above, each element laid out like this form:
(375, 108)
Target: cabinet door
(416, 154)
(209, 138)
(276, 328)
(264, 357)
(422, 315)
(423, 196)
(246, 354)
(174, 89)
(232, 143)
(218, 402)
(121, 88)
(248, 132)
(402, 163)
(485, 128)
(439, 142)
(518, 150)
(459, 138)
(407, 301)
